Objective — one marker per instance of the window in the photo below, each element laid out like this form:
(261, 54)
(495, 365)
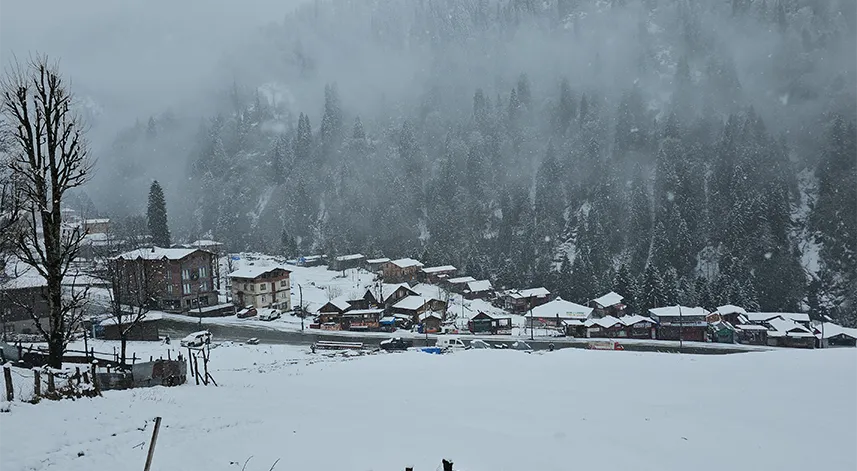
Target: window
(245, 287)
(203, 286)
(202, 272)
(262, 286)
(186, 288)
(264, 299)
(186, 274)
(282, 283)
(169, 274)
(170, 289)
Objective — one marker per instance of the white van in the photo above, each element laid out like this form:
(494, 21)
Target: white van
(196, 339)
(450, 343)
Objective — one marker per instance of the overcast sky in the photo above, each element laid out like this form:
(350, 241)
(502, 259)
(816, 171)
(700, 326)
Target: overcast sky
(134, 57)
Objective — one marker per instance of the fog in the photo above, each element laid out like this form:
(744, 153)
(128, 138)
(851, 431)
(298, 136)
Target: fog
(531, 142)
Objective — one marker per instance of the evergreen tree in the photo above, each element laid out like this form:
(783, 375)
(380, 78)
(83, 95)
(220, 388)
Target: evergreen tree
(652, 292)
(303, 140)
(626, 286)
(156, 216)
(288, 244)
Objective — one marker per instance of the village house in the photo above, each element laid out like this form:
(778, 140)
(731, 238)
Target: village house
(604, 327)
(833, 335)
(639, 327)
(387, 294)
(785, 332)
(680, 323)
(22, 296)
(96, 226)
(413, 306)
(374, 265)
(431, 322)
(403, 270)
(435, 275)
(524, 300)
(763, 317)
(458, 284)
(487, 323)
(560, 315)
(608, 305)
(310, 261)
(146, 329)
(177, 279)
(332, 310)
(751, 334)
(262, 287)
(361, 319)
(479, 289)
(347, 262)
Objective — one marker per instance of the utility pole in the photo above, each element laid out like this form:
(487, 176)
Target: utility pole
(532, 325)
(301, 307)
(680, 329)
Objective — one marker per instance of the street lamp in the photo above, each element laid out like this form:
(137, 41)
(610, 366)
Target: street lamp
(301, 306)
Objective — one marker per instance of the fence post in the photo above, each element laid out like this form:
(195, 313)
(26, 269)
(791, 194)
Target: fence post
(152, 444)
(37, 384)
(196, 369)
(133, 358)
(95, 377)
(51, 385)
(7, 376)
(77, 374)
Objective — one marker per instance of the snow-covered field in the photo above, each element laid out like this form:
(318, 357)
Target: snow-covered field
(484, 409)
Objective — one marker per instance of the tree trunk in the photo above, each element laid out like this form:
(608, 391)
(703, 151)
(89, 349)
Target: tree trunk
(124, 341)
(56, 348)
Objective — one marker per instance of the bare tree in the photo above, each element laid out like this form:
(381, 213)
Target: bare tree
(48, 156)
(135, 286)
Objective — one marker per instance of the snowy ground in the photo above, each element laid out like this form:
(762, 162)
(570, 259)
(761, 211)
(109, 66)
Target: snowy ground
(484, 409)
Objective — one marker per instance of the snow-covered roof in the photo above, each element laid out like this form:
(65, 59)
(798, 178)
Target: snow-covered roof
(829, 329)
(750, 327)
(411, 303)
(730, 309)
(360, 312)
(764, 316)
(678, 311)
(461, 280)
(96, 221)
(428, 314)
(787, 325)
(440, 269)
(605, 322)
(204, 243)
(479, 286)
(631, 320)
(157, 253)
(388, 289)
(19, 275)
(562, 309)
(377, 260)
(573, 322)
(345, 258)
(406, 262)
(610, 299)
(340, 303)
(529, 293)
(255, 271)
(127, 318)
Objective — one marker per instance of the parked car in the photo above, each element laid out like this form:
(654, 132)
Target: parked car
(248, 311)
(451, 343)
(477, 344)
(270, 315)
(396, 343)
(605, 345)
(522, 346)
(196, 339)
(253, 341)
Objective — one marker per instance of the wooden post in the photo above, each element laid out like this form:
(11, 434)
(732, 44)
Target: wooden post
(37, 384)
(205, 365)
(447, 465)
(7, 375)
(168, 354)
(77, 374)
(51, 385)
(94, 377)
(196, 370)
(85, 377)
(133, 358)
(152, 444)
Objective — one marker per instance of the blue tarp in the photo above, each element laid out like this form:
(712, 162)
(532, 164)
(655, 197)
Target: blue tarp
(434, 350)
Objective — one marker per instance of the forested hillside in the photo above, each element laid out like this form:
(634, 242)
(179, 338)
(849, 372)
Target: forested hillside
(674, 151)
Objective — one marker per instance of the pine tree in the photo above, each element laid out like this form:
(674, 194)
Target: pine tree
(626, 286)
(157, 216)
(652, 290)
(303, 140)
(288, 245)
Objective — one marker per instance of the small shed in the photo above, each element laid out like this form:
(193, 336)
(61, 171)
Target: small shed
(479, 289)
(485, 323)
(346, 262)
(430, 322)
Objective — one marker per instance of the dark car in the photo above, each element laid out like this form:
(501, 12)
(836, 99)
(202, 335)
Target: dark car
(478, 344)
(522, 346)
(396, 343)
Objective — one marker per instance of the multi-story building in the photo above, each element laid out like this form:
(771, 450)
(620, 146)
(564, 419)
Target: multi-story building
(175, 279)
(262, 287)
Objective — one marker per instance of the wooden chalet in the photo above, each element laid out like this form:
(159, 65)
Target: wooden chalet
(430, 322)
(374, 265)
(522, 301)
(610, 304)
(458, 284)
(680, 323)
(479, 289)
(402, 270)
(346, 262)
(361, 319)
(833, 335)
(435, 275)
(789, 333)
(751, 334)
(385, 295)
(560, 315)
(485, 323)
(413, 306)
